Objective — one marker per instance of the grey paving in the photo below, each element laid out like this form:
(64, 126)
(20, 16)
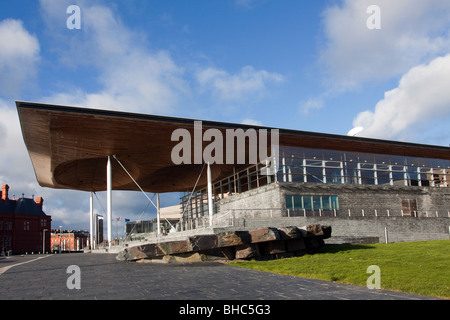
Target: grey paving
(105, 278)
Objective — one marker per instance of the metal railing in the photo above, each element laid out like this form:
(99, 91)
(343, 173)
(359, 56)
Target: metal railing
(241, 217)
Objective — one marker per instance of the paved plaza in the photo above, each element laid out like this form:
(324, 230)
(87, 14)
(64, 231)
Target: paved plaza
(102, 277)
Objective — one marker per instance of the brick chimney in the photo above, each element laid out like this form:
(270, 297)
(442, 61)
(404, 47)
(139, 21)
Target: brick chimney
(40, 202)
(5, 189)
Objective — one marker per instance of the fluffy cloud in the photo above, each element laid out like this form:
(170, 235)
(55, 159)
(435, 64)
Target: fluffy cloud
(251, 122)
(19, 54)
(229, 87)
(66, 208)
(133, 76)
(124, 72)
(422, 96)
(15, 162)
(130, 76)
(412, 32)
(311, 104)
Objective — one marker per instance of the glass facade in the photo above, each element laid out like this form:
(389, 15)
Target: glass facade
(327, 166)
(308, 165)
(312, 202)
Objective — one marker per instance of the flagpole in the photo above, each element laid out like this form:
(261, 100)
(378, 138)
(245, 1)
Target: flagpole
(117, 228)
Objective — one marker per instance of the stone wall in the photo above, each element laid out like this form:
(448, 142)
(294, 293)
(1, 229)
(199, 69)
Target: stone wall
(266, 201)
(363, 210)
(351, 229)
(380, 198)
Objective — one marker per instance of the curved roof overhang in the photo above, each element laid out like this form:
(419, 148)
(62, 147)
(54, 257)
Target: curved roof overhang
(69, 146)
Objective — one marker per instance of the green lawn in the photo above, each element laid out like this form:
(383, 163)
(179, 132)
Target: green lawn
(414, 267)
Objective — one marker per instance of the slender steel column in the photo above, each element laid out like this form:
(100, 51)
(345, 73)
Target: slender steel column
(210, 203)
(158, 214)
(109, 200)
(91, 220)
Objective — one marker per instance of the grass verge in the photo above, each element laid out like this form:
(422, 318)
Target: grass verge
(414, 267)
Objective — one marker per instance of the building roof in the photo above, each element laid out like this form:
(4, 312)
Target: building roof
(21, 206)
(68, 147)
(172, 212)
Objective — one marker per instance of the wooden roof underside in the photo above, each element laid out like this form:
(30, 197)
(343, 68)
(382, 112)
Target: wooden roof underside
(69, 147)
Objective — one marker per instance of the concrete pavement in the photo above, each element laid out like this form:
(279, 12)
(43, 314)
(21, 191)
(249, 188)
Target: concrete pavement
(102, 277)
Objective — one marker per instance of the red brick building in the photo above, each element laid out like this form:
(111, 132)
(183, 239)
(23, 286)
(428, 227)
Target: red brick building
(69, 240)
(24, 227)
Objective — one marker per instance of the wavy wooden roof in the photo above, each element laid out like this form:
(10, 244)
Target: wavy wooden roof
(68, 147)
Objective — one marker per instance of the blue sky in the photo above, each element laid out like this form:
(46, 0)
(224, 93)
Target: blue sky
(305, 65)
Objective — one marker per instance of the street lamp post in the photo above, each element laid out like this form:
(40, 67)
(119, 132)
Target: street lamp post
(60, 239)
(43, 241)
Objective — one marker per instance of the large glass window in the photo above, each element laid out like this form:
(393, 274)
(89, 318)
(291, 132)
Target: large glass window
(367, 177)
(314, 174)
(328, 166)
(383, 177)
(309, 165)
(311, 202)
(307, 203)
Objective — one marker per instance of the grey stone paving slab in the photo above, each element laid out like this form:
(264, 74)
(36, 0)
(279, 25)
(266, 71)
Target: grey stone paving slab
(102, 277)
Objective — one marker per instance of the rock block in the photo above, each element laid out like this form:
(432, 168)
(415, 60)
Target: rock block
(203, 242)
(326, 232)
(131, 254)
(293, 245)
(228, 252)
(246, 251)
(230, 239)
(264, 234)
(263, 242)
(184, 258)
(317, 230)
(273, 247)
(174, 247)
(290, 232)
(151, 250)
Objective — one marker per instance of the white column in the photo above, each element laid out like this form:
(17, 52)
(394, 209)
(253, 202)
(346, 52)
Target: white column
(391, 176)
(419, 177)
(210, 203)
(109, 200)
(305, 178)
(358, 167)
(375, 173)
(91, 220)
(324, 172)
(158, 214)
(431, 172)
(405, 176)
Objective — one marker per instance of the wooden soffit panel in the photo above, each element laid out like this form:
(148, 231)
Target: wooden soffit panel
(69, 147)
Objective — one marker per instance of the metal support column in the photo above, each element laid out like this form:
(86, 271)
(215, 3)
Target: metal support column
(91, 220)
(109, 200)
(158, 214)
(210, 203)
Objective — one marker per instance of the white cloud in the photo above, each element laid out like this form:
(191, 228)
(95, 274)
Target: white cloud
(412, 32)
(422, 98)
(251, 122)
(247, 83)
(131, 76)
(19, 54)
(311, 104)
(17, 171)
(15, 163)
